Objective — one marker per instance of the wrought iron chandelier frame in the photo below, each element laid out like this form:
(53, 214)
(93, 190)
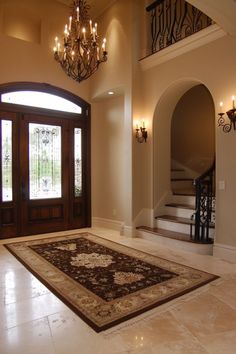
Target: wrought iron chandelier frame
(81, 54)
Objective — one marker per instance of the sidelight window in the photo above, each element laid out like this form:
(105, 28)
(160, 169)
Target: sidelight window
(78, 161)
(6, 158)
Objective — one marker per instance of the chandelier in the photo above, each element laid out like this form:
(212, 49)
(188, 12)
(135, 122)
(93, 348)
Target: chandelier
(80, 54)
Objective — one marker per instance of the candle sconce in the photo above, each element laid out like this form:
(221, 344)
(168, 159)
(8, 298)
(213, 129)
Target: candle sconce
(232, 118)
(141, 133)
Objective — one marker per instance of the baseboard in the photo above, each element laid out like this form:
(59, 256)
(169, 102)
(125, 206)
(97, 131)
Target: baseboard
(128, 231)
(145, 217)
(107, 223)
(225, 252)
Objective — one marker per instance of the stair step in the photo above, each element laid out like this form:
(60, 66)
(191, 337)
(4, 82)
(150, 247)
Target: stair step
(182, 179)
(184, 192)
(177, 219)
(182, 206)
(166, 233)
(174, 240)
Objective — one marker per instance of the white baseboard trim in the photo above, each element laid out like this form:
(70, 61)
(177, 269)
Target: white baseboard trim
(107, 223)
(145, 217)
(128, 231)
(225, 252)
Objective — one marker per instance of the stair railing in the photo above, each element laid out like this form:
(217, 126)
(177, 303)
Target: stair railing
(204, 215)
(172, 21)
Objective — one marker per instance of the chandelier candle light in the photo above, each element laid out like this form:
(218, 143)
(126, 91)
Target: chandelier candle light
(80, 54)
(231, 115)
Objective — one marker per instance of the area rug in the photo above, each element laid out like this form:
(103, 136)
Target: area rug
(104, 282)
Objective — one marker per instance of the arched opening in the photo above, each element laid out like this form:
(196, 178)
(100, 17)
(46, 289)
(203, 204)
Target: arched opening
(45, 160)
(162, 138)
(176, 215)
(192, 138)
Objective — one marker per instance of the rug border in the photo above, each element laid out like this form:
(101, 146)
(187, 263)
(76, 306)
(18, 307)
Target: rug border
(95, 327)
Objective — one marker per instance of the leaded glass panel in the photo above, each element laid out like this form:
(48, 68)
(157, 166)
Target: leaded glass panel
(6, 134)
(45, 161)
(78, 161)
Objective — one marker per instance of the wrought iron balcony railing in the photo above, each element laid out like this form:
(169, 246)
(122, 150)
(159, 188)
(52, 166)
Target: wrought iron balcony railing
(172, 21)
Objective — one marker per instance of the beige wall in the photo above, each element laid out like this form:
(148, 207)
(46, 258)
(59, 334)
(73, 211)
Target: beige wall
(193, 130)
(108, 175)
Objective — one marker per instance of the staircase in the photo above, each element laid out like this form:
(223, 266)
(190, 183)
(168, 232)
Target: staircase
(175, 226)
(182, 182)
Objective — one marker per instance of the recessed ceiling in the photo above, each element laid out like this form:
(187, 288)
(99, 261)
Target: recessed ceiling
(97, 6)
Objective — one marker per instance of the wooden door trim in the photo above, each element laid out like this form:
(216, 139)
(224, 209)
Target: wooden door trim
(83, 119)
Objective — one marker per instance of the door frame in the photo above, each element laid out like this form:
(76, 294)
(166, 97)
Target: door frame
(84, 119)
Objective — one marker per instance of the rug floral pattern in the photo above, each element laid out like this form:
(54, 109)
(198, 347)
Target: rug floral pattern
(105, 272)
(104, 282)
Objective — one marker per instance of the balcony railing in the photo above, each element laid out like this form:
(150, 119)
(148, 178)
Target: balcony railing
(172, 21)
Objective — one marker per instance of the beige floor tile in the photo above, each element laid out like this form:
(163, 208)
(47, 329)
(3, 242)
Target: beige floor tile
(206, 314)
(225, 343)
(226, 292)
(30, 338)
(34, 321)
(19, 285)
(30, 309)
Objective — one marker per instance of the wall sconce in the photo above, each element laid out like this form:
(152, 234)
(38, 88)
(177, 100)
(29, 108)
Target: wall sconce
(141, 133)
(231, 115)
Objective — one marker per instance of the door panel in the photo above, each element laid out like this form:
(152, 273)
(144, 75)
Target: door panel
(50, 174)
(44, 174)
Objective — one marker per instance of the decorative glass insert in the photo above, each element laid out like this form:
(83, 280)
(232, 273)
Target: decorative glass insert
(41, 100)
(44, 161)
(78, 161)
(6, 134)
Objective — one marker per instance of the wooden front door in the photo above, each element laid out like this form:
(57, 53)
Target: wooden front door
(45, 171)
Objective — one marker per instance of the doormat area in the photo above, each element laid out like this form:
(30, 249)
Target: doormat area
(105, 283)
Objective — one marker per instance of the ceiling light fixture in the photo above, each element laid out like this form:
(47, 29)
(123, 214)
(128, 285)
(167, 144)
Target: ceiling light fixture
(80, 54)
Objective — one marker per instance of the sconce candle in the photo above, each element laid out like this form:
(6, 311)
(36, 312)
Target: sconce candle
(233, 102)
(221, 107)
(141, 133)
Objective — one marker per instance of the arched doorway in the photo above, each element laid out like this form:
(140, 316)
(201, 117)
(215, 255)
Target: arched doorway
(162, 119)
(192, 138)
(44, 160)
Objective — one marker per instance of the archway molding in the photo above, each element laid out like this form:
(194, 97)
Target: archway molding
(162, 137)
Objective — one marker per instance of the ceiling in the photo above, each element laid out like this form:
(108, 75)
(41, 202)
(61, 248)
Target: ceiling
(97, 6)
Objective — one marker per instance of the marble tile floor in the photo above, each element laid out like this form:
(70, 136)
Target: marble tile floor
(34, 321)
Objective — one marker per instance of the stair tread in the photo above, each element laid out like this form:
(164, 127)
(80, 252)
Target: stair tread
(181, 205)
(182, 179)
(167, 233)
(179, 220)
(186, 193)
(175, 219)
